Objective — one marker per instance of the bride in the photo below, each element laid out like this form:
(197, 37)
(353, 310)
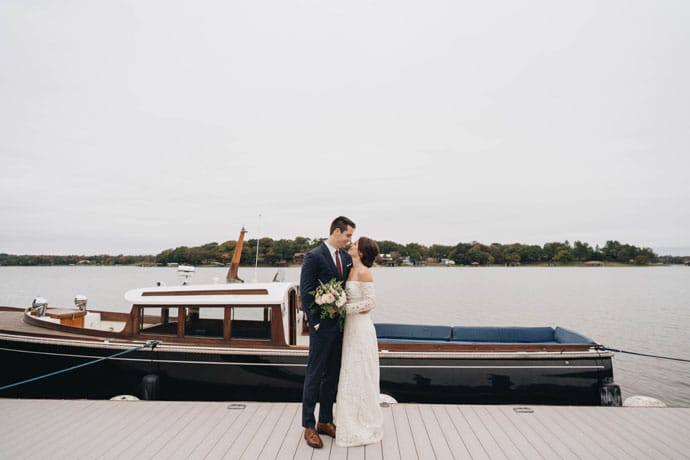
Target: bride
(357, 412)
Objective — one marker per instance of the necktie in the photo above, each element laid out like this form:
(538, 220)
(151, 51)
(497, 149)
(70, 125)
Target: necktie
(338, 266)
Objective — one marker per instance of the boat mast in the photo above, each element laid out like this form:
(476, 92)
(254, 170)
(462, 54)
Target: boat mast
(235, 263)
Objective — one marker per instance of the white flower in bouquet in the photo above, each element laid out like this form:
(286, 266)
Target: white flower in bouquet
(341, 301)
(329, 300)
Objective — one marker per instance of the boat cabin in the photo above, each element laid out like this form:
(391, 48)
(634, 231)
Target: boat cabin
(263, 312)
(260, 314)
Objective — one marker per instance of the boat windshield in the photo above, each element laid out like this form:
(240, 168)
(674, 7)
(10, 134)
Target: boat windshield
(246, 322)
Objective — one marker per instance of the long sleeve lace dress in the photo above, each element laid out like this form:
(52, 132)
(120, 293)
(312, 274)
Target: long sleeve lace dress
(358, 415)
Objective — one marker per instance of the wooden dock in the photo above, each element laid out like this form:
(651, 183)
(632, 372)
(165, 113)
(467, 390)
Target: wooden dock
(196, 430)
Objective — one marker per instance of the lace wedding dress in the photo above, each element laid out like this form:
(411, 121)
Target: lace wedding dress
(358, 415)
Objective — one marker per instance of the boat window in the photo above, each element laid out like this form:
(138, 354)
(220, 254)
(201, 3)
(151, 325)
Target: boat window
(158, 320)
(251, 323)
(204, 322)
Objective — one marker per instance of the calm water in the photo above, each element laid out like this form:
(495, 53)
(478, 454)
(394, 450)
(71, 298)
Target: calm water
(644, 310)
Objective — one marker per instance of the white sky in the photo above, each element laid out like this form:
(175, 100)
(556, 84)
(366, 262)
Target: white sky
(132, 127)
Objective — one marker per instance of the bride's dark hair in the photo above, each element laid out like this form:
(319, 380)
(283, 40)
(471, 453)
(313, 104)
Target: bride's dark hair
(369, 250)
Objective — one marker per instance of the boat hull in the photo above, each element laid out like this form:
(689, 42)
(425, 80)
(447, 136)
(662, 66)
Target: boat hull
(223, 374)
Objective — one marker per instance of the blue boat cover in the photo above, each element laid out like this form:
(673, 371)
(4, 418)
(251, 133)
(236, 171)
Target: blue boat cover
(391, 332)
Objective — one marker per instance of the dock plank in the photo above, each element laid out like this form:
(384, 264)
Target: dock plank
(293, 437)
(502, 418)
(608, 421)
(350, 453)
(419, 432)
(576, 441)
(469, 438)
(163, 429)
(280, 429)
(493, 449)
(656, 440)
(79, 418)
(116, 420)
(193, 433)
(264, 432)
(389, 443)
(542, 434)
(505, 443)
(136, 429)
(605, 446)
(435, 432)
(225, 432)
(406, 446)
(373, 451)
(526, 426)
(667, 422)
(453, 440)
(303, 451)
(237, 446)
(15, 432)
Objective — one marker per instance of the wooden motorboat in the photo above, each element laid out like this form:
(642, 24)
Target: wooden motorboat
(247, 341)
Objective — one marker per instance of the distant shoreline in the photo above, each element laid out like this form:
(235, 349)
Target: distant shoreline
(286, 252)
(426, 265)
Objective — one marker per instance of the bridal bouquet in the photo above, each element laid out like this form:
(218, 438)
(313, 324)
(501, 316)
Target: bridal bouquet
(329, 300)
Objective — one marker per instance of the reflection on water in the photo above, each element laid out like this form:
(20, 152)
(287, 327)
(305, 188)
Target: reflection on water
(645, 310)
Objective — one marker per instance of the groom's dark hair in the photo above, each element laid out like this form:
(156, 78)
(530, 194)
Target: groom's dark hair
(342, 223)
(369, 250)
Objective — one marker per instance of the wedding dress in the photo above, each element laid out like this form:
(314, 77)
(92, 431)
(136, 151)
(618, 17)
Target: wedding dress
(358, 415)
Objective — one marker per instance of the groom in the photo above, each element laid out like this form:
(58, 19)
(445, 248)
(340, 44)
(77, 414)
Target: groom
(323, 263)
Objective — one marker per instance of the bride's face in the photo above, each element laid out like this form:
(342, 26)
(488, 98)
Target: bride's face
(353, 251)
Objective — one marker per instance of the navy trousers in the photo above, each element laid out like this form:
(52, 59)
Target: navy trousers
(321, 379)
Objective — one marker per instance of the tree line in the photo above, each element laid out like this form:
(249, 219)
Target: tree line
(289, 251)
(475, 253)
(102, 259)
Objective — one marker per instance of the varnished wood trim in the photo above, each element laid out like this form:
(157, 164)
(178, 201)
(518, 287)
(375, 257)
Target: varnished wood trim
(181, 321)
(65, 314)
(85, 334)
(227, 323)
(277, 334)
(206, 292)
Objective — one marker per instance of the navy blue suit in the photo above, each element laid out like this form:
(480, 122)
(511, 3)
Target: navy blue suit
(325, 345)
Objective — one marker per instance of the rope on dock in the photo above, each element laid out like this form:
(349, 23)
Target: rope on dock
(648, 356)
(150, 344)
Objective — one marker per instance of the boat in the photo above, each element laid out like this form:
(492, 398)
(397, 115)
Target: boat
(249, 342)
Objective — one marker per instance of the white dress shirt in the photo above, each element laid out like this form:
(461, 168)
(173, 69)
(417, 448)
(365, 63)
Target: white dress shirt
(332, 251)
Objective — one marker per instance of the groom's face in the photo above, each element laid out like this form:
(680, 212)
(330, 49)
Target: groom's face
(342, 239)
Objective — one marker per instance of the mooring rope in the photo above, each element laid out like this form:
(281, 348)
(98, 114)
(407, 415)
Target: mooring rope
(647, 355)
(151, 343)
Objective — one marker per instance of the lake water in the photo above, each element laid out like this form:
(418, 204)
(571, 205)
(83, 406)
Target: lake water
(641, 309)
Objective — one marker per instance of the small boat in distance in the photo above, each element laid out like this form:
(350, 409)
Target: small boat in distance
(248, 341)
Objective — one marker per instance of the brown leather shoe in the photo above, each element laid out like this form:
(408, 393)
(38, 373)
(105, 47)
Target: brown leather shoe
(326, 428)
(313, 438)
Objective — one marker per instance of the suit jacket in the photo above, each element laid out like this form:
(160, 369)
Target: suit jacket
(318, 265)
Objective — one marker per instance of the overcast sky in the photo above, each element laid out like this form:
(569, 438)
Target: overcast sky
(132, 127)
